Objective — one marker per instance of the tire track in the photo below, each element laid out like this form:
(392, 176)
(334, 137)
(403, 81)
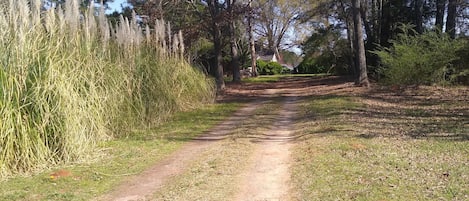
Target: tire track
(268, 177)
(146, 183)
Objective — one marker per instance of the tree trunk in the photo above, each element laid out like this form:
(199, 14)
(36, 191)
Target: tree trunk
(350, 38)
(233, 44)
(418, 6)
(217, 43)
(235, 58)
(451, 18)
(252, 43)
(386, 24)
(362, 79)
(219, 75)
(349, 27)
(440, 13)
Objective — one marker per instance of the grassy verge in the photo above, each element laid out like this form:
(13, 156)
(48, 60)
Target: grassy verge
(382, 147)
(125, 156)
(263, 79)
(275, 78)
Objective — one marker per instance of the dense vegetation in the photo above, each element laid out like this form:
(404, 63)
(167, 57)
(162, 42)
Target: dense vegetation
(407, 41)
(423, 59)
(69, 81)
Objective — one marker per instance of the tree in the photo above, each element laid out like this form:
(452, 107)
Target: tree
(418, 15)
(252, 44)
(233, 44)
(275, 19)
(440, 13)
(360, 57)
(216, 11)
(451, 18)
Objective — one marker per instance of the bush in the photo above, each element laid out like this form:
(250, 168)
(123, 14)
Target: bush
(269, 68)
(312, 65)
(460, 74)
(419, 59)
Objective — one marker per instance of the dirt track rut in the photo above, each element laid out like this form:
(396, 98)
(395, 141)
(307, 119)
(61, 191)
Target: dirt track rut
(268, 177)
(143, 185)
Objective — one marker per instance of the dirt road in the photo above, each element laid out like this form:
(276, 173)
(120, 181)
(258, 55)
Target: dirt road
(268, 176)
(247, 157)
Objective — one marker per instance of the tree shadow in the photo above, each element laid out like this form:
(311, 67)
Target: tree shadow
(410, 113)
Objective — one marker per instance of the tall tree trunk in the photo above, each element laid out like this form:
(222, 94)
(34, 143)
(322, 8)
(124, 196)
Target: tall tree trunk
(451, 18)
(349, 27)
(252, 43)
(418, 7)
(350, 38)
(217, 43)
(233, 44)
(219, 79)
(386, 24)
(362, 79)
(440, 13)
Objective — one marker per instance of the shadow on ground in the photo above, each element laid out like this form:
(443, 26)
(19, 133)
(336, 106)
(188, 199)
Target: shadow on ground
(405, 112)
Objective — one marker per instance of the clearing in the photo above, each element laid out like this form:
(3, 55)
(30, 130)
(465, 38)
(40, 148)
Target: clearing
(294, 138)
(321, 138)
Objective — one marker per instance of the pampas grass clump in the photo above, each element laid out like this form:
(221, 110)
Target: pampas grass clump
(69, 81)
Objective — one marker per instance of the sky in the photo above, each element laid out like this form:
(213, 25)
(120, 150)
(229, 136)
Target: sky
(116, 5)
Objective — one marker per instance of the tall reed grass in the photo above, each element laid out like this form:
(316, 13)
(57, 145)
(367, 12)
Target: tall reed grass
(68, 81)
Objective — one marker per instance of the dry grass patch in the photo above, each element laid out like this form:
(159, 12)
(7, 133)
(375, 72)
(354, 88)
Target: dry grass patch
(406, 145)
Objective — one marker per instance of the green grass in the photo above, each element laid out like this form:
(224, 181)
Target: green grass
(120, 158)
(275, 78)
(262, 79)
(352, 150)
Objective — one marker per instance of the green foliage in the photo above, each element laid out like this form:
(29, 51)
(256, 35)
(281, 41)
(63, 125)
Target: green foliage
(420, 59)
(460, 71)
(269, 68)
(312, 65)
(66, 84)
(326, 52)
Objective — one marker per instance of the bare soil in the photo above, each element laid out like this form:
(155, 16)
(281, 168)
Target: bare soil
(268, 177)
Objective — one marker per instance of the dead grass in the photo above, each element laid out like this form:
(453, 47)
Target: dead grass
(410, 144)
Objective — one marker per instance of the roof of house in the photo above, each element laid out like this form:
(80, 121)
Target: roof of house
(268, 57)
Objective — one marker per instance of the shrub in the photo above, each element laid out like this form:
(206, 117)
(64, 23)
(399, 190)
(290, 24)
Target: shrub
(312, 65)
(460, 70)
(419, 59)
(269, 68)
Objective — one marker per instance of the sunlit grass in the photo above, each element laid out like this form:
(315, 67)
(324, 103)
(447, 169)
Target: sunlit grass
(353, 151)
(275, 78)
(120, 158)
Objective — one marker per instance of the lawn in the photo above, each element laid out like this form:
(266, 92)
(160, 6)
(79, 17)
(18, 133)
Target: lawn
(383, 145)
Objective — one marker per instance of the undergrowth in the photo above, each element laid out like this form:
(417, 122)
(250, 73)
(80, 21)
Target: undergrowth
(428, 58)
